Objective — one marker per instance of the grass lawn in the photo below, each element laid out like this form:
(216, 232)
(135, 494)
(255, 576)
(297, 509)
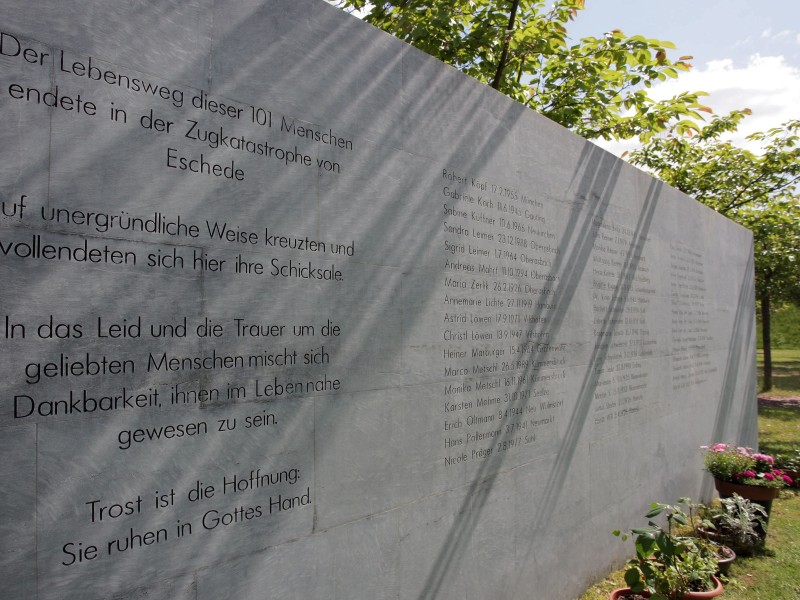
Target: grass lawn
(778, 430)
(785, 373)
(775, 574)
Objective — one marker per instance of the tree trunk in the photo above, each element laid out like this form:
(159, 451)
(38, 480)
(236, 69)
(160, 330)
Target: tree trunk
(766, 339)
(501, 67)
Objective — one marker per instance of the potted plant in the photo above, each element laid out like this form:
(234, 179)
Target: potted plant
(790, 465)
(737, 523)
(669, 566)
(750, 474)
(725, 558)
(701, 519)
(741, 467)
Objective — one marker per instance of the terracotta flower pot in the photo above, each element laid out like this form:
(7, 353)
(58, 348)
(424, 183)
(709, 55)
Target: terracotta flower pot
(755, 493)
(717, 591)
(622, 592)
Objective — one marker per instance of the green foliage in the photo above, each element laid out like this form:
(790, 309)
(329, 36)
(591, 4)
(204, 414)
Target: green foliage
(668, 565)
(755, 189)
(775, 224)
(785, 327)
(742, 465)
(728, 464)
(789, 462)
(723, 176)
(758, 190)
(734, 523)
(597, 87)
(774, 573)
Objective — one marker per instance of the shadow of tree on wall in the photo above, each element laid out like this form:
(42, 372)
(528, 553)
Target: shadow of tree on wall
(290, 199)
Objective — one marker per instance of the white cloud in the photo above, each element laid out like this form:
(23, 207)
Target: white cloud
(780, 36)
(767, 85)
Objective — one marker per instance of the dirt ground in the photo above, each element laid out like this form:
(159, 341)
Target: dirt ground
(767, 400)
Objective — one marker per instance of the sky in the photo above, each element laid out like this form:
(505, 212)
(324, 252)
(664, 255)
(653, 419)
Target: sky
(746, 52)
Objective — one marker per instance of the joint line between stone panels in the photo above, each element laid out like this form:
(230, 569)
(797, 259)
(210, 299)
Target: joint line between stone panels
(117, 238)
(50, 132)
(119, 65)
(318, 201)
(36, 508)
(467, 485)
(398, 507)
(210, 51)
(403, 348)
(36, 434)
(314, 453)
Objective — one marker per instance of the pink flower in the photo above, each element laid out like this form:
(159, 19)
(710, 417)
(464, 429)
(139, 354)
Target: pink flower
(719, 447)
(764, 458)
(788, 480)
(749, 473)
(769, 476)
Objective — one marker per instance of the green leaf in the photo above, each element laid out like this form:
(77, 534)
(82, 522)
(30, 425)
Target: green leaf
(633, 580)
(645, 546)
(588, 86)
(680, 519)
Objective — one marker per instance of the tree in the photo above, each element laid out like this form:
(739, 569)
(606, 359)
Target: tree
(596, 87)
(719, 174)
(758, 190)
(776, 235)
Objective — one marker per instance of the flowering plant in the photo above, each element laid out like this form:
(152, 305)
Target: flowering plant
(668, 565)
(790, 465)
(737, 464)
(789, 461)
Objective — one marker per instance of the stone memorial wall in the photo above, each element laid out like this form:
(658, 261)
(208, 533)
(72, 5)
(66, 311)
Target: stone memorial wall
(292, 310)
